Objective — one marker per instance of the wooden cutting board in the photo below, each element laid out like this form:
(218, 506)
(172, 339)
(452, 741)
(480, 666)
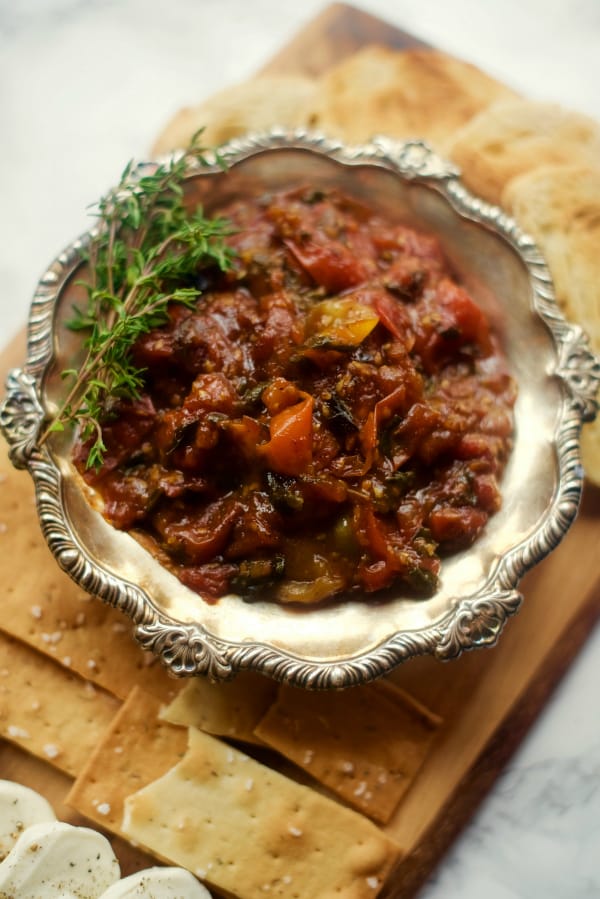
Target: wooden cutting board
(488, 698)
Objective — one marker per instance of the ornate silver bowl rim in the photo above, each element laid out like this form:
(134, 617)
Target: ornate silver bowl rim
(467, 619)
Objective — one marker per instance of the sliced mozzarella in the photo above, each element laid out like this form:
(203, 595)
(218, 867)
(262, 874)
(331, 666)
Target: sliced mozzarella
(158, 883)
(58, 861)
(19, 807)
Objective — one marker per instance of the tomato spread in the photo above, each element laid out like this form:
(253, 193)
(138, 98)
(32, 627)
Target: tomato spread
(330, 419)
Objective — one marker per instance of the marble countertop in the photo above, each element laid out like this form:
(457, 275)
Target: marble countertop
(86, 84)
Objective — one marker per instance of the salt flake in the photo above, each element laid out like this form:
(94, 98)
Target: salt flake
(17, 732)
(53, 638)
(51, 750)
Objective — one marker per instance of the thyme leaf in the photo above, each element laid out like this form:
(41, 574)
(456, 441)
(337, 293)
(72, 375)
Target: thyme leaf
(146, 246)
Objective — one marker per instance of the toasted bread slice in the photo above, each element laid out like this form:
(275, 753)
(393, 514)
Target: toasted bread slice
(560, 207)
(409, 94)
(252, 106)
(509, 139)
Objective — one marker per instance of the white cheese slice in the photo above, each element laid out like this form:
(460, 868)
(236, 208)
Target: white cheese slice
(158, 883)
(58, 861)
(19, 808)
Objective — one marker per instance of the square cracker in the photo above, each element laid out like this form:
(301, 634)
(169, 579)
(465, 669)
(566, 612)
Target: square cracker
(228, 709)
(44, 608)
(48, 711)
(224, 816)
(135, 749)
(366, 744)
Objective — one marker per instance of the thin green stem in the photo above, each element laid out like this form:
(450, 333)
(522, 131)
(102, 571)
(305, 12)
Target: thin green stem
(146, 240)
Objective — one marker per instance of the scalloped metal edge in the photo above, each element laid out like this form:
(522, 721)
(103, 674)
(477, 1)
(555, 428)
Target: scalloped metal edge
(474, 621)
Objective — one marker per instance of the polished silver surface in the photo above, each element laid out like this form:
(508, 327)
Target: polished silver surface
(359, 640)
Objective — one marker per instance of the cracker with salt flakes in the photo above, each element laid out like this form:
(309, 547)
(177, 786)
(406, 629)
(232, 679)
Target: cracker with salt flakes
(366, 744)
(44, 608)
(48, 711)
(135, 749)
(255, 831)
(227, 709)
(193, 800)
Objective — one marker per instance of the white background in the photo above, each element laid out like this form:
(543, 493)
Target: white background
(86, 84)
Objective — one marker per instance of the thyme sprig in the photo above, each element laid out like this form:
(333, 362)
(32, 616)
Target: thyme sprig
(147, 244)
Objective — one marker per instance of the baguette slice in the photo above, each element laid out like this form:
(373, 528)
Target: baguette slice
(251, 106)
(512, 138)
(409, 94)
(560, 207)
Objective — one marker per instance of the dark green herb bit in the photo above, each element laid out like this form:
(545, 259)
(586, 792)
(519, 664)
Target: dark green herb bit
(338, 416)
(386, 494)
(255, 573)
(422, 581)
(285, 492)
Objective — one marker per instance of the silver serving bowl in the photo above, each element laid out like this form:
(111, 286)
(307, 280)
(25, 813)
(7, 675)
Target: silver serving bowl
(355, 641)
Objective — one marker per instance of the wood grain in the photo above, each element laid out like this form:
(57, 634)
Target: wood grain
(488, 698)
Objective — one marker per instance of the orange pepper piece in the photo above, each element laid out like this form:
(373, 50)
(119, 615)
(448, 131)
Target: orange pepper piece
(289, 451)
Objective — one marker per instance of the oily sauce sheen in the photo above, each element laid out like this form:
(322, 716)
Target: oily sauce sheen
(332, 418)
